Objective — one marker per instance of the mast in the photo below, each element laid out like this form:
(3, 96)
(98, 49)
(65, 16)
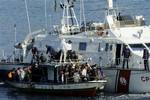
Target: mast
(29, 25)
(110, 4)
(15, 33)
(46, 25)
(110, 8)
(69, 22)
(82, 14)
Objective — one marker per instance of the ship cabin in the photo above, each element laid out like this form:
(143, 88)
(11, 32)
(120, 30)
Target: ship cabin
(129, 21)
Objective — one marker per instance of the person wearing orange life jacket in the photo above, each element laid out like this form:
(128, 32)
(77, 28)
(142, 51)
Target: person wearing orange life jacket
(11, 74)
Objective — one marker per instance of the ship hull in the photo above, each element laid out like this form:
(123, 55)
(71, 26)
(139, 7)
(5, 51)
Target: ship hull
(74, 89)
(127, 81)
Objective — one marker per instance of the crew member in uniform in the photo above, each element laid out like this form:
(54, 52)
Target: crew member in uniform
(146, 57)
(126, 54)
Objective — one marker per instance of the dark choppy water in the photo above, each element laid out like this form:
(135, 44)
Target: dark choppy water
(13, 12)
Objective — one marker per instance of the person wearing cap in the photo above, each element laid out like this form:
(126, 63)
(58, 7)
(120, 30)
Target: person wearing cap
(146, 57)
(126, 54)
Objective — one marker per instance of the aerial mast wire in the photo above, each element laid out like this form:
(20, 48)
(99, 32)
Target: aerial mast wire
(82, 14)
(29, 25)
(46, 24)
(15, 34)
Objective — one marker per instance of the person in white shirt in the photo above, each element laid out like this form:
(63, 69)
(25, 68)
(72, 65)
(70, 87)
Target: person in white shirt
(84, 74)
(22, 74)
(76, 77)
(65, 47)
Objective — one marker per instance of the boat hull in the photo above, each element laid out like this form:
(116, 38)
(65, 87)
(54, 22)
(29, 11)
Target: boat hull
(127, 81)
(74, 89)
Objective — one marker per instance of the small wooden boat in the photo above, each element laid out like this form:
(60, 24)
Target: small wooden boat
(53, 86)
(73, 89)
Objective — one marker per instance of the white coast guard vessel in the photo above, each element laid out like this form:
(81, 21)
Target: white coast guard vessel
(103, 43)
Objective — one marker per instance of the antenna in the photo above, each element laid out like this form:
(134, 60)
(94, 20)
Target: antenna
(46, 26)
(15, 31)
(69, 21)
(82, 14)
(26, 6)
(110, 4)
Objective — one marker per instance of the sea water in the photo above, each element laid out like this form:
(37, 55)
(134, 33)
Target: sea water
(13, 13)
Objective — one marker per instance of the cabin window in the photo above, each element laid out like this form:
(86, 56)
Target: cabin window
(106, 47)
(148, 44)
(82, 46)
(137, 46)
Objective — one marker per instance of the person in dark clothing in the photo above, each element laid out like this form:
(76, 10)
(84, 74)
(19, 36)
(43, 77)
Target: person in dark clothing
(42, 58)
(146, 57)
(119, 18)
(50, 51)
(34, 51)
(126, 54)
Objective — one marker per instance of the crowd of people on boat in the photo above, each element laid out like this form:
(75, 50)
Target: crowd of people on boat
(64, 54)
(80, 73)
(20, 74)
(31, 73)
(68, 73)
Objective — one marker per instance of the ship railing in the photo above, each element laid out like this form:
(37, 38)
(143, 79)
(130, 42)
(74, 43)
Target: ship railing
(120, 61)
(5, 58)
(133, 63)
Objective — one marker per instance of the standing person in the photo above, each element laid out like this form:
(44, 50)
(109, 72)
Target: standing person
(76, 76)
(126, 54)
(63, 51)
(50, 52)
(34, 51)
(69, 49)
(84, 73)
(146, 57)
(65, 47)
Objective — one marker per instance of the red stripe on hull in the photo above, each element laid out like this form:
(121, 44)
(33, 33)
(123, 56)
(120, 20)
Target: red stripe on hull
(123, 81)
